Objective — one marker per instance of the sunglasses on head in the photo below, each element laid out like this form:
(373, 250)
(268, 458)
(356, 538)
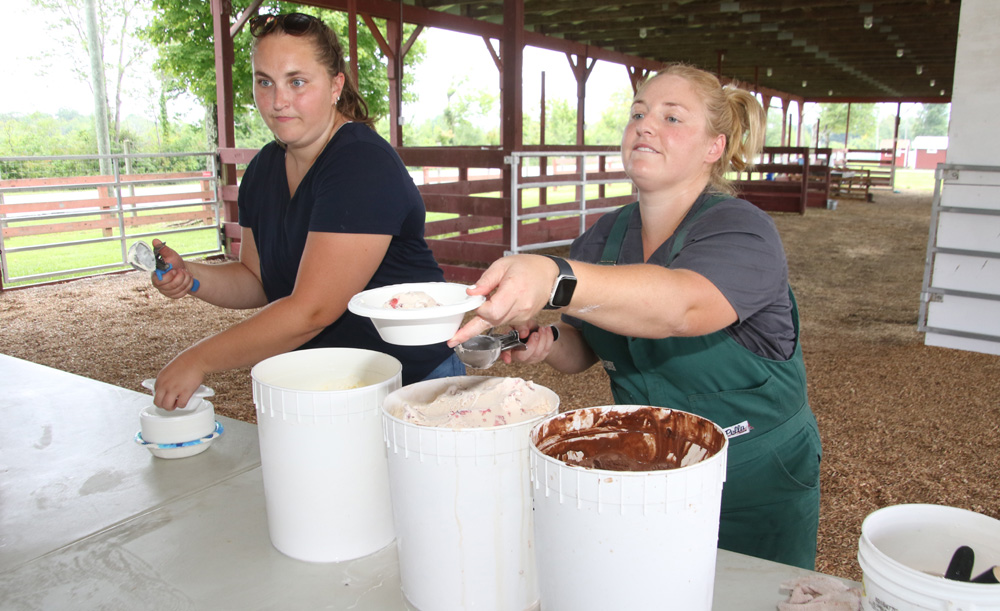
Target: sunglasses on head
(295, 24)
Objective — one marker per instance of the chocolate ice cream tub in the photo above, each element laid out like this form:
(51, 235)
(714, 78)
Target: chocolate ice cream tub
(461, 497)
(626, 508)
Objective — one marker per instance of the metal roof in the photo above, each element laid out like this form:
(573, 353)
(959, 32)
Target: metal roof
(815, 50)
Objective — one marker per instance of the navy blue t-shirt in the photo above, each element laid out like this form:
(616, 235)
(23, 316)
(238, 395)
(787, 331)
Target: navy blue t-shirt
(358, 184)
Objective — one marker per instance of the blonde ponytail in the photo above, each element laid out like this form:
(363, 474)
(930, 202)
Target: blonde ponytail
(732, 112)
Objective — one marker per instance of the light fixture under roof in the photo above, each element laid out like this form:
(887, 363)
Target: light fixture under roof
(920, 69)
(804, 83)
(942, 92)
(642, 32)
(899, 53)
(869, 21)
(770, 72)
(932, 82)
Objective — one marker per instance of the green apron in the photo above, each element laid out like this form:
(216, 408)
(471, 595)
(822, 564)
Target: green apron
(770, 501)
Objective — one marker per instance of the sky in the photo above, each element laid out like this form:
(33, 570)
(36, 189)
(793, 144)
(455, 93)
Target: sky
(40, 78)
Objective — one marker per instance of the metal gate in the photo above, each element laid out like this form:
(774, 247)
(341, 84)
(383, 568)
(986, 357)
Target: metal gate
(55, 227)
(960, 299)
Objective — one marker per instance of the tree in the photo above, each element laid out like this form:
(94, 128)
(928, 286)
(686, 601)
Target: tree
(182, 31)
(833, 126)
(468, 119)
(120, 50)
(932, 120)
(609, 128)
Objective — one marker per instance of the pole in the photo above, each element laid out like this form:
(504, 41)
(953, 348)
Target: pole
(98, 86)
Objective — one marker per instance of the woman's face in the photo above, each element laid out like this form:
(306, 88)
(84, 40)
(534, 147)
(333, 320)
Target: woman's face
(666, 142)
(294, 93)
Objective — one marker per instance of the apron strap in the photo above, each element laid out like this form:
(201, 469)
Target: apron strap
(616, 238)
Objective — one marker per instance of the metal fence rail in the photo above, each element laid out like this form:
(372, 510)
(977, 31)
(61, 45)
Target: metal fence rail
(122, 207)
(581, 177)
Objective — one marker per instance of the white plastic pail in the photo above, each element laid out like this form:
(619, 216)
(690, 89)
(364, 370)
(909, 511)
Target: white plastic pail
(905, 550)
(326, 483)
(615, 539)
(462, 505)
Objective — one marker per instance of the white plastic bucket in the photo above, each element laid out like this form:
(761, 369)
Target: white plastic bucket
(614, 539)
(326, 483)
(905, 550)
(462, 505)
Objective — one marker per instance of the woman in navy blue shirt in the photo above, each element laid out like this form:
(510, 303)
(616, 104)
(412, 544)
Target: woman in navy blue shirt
(327, 210)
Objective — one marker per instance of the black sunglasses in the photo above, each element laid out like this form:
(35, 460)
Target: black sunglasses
(295, 24)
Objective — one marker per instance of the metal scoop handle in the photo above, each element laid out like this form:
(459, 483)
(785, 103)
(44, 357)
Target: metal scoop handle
(146, 259)
(513, 340)
(481, 351)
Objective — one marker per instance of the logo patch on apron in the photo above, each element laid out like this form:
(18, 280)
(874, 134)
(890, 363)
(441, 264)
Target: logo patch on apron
(608, 365)
(738, 429)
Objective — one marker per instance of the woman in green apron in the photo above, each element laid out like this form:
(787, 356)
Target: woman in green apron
(683, 298)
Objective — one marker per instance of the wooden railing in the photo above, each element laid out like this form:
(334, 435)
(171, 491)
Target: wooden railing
(788, 179)
(478, 226)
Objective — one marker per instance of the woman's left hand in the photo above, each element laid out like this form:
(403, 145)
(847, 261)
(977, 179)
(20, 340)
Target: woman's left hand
(517, 287)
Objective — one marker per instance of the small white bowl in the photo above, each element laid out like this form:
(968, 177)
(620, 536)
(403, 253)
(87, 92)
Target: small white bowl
(178, 426)
(416, 326)
(180, 450)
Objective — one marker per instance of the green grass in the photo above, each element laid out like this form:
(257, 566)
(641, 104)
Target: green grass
(920, 180)
(104, 253)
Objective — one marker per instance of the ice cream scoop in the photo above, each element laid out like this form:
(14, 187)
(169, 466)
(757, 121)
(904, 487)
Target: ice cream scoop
(482, 351)
(146, 259)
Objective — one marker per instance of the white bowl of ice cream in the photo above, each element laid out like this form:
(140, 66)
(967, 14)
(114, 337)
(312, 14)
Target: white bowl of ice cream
(417, 313)
(180, 432)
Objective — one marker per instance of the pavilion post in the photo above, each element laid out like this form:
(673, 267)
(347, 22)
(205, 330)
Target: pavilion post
(224, 57)
(511, 139)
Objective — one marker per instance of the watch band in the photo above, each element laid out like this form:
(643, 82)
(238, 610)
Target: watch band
(565, 284)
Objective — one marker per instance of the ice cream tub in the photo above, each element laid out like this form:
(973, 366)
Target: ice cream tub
(626, 508)
(326, 481)
(905, 551)
(458, 471)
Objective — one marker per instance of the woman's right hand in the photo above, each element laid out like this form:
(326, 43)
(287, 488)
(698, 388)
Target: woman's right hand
(178, 281)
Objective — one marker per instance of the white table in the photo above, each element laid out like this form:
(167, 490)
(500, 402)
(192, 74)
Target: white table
(90, 520)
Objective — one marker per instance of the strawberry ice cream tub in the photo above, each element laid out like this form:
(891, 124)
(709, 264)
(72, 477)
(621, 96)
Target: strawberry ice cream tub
(461, 498)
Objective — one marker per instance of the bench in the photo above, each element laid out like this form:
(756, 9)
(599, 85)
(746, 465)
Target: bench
(788, 179)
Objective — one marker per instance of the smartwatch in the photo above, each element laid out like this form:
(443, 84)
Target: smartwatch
(562, 290)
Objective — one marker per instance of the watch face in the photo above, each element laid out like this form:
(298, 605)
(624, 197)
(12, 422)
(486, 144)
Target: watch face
(563, 292)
